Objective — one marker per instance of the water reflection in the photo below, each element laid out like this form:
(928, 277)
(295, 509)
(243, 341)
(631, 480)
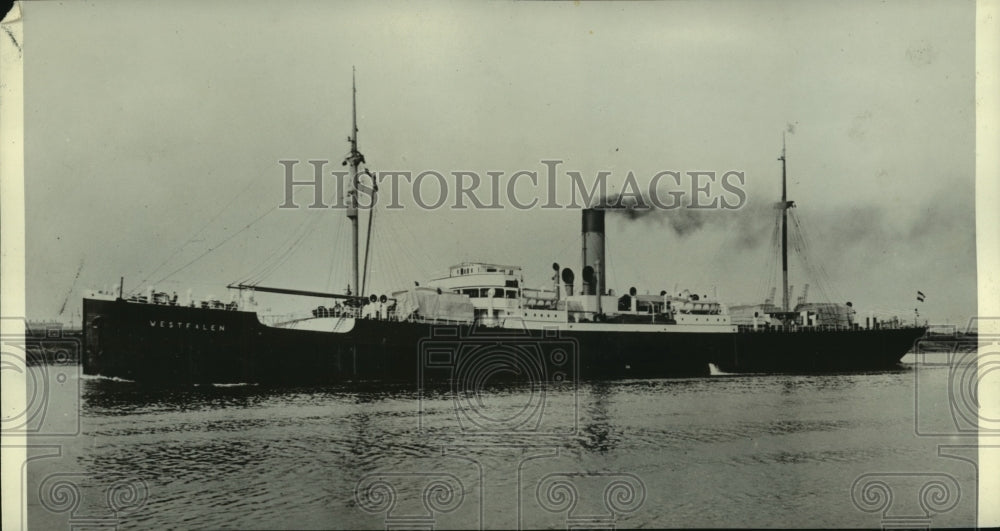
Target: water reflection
(364, 421)
(597, 429)
(252, 456)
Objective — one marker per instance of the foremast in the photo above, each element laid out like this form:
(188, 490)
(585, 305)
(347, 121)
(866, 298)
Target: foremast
(354, 159)
(784, 206)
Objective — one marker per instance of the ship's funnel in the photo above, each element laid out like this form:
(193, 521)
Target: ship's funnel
(593, 250)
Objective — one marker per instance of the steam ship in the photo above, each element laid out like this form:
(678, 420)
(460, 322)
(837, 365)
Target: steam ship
(478, 323)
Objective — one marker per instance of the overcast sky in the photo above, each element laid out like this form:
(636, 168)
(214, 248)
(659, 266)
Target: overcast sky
(145, 123)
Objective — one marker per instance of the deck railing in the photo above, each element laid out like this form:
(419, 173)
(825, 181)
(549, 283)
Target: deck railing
(771, 329)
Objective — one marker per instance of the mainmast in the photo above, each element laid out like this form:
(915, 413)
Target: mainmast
(355, 159)
(785, 205)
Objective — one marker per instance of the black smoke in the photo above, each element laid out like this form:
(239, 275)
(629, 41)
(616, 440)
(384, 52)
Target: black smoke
(749, 226)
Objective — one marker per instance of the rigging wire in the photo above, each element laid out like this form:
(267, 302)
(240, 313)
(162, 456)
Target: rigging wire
(334, 263)
(774, 280)
(813, 267)
(816, 269)
(826, 276)
(769, 278)
(383, 260)
(289, 250)
(377, 265)
(218, 245)
(176, 250)
(368, 240)
(374, 272)
(420, 259)
(394, 264)
(282, 254)
(227, 239)
(277, 254)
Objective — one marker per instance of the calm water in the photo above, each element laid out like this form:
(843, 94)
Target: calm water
(720, 451)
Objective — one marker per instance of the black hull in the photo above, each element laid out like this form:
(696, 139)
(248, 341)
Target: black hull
(169, 345)
(819, 351)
